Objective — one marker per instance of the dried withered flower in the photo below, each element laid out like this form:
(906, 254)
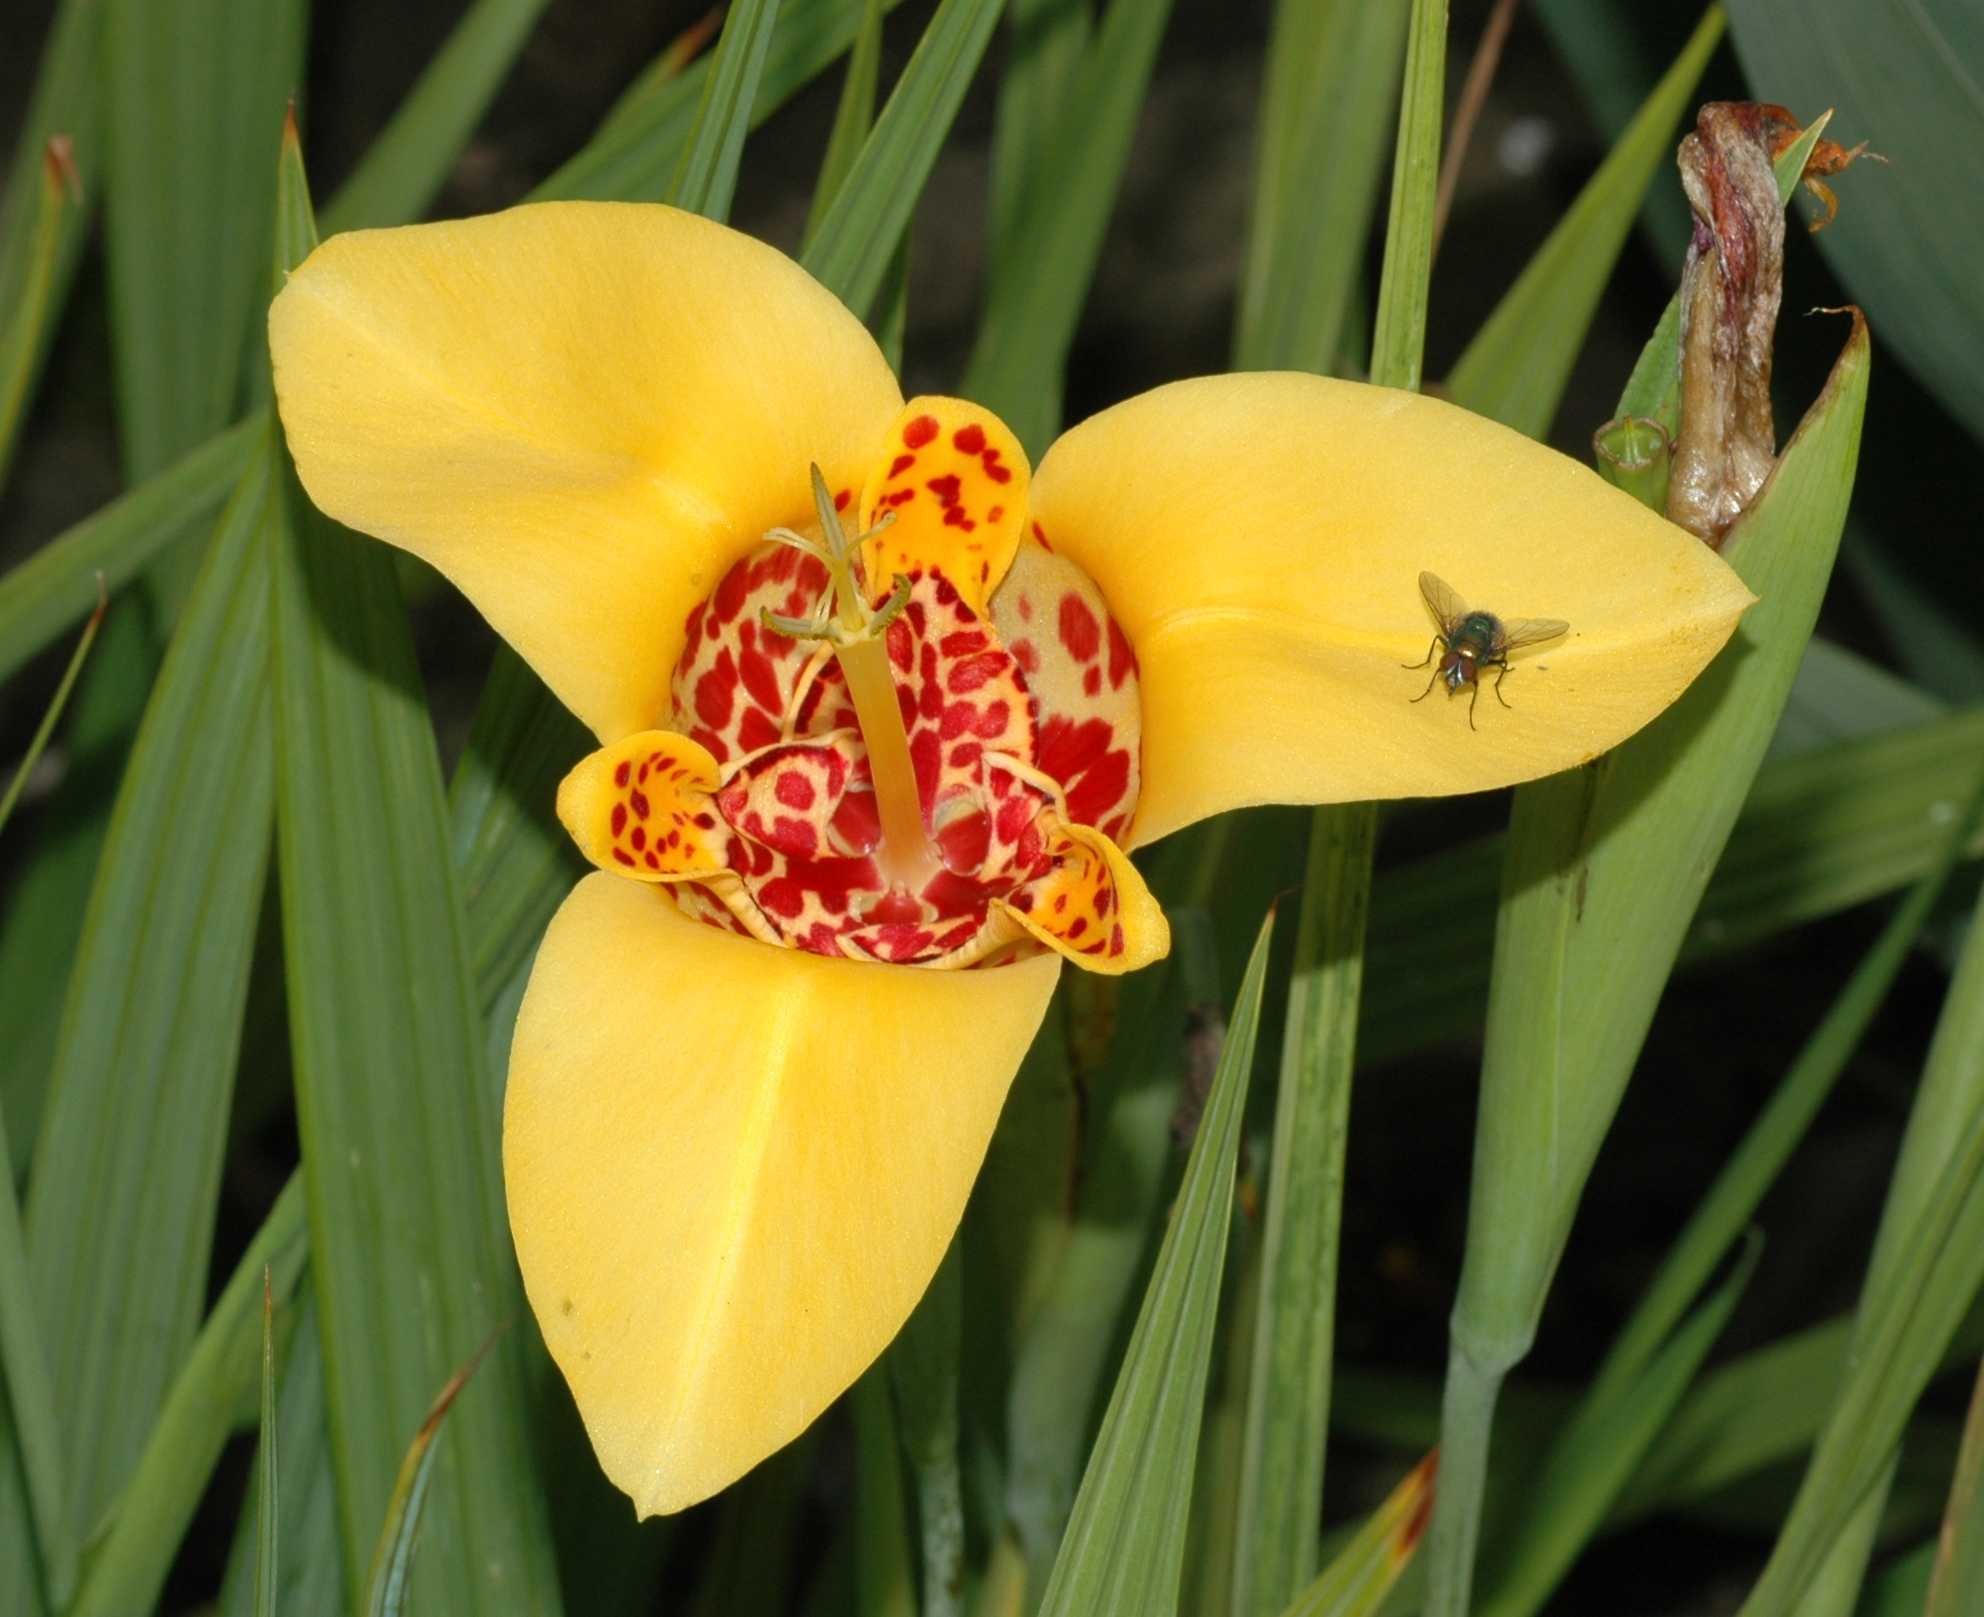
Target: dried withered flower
(1729, 297)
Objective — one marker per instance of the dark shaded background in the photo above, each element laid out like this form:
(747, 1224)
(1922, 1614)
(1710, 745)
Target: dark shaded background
(1162, 308)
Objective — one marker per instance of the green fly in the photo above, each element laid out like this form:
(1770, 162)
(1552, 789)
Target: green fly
(1469, 641)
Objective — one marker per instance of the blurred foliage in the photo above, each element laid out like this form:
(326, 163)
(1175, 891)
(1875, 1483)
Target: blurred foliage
(1049, 204)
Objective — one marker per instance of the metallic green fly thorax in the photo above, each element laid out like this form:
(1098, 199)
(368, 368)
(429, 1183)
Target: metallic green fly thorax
(1475, 635)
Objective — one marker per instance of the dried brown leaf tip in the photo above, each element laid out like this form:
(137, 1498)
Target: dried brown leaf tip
(1828, 158)
(1729, 298)
(58, 159)
(1410, 1508)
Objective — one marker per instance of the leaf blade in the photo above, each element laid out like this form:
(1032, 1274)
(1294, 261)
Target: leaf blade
(1124, 1548)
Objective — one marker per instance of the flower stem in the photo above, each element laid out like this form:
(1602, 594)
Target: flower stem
(1467, 1418)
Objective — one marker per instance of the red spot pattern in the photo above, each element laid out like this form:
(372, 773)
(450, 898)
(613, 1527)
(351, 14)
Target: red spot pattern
(790, 834)
(1080, 633)
(1073, 901)
(954, 498)
(795, 797)
(1083, 679)
(643, 805)
(736, 681)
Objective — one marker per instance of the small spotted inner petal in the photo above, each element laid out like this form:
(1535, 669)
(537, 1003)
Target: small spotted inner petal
(954, 485)
(740, 687)
(1083, 676)
(791, 798)
(643, 807)
(1090, 904)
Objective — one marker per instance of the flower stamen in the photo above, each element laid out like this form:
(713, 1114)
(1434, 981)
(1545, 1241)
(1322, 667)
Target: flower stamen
(905, 856)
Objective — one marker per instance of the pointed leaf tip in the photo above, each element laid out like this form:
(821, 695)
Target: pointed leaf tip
(1415, 1498)
(59, 160)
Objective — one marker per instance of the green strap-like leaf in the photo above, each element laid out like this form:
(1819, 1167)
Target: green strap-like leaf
(409, 1250)
(1927, 1266)
(749, 1571)
(1605, 867)
(1333, 71)
(850, 254)
(193, 100)
(1749, 1171)
(884, 1574)
(1281, 1480)
(1611, 59)
(1288, 1407)
(634, 156)
(1908, 76)
(514, 860)
(853, 117)
(1036, 293)
(1399, 339)
(1517, 365)
(268, 1467)
(1566, 1501)
(38, 1535)
(51, 716)
(211, 1397)
(1363, 1572)
(1046, 41)
(311, 1577)
(147, 1041)
(707, 177)
(923, 1372)
(67, 102)
(1760, 1410)
(1958, 1582)
(1745, 1417)
(399, 1537)
(1125, 1548)
(1169, 1014)
(403, 169)
(27, 322)
(1818, 834)
(195, 103)
(57, 585)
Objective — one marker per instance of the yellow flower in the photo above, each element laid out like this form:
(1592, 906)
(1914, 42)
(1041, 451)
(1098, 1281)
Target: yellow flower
(911, 707)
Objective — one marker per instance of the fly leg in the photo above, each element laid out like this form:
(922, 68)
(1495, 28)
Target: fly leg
(1476, 697)
(1504, 674)
(1437, 645)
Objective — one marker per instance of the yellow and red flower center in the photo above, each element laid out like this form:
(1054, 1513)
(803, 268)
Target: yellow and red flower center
(917, 744)
(1009, 741)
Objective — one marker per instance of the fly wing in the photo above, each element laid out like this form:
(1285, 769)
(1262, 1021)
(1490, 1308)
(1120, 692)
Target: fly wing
(1443, 601)
(1528, 631)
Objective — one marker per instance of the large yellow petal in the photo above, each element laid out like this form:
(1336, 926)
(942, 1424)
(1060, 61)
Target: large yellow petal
(732, 1170)
(1260, 539)
(582, 413)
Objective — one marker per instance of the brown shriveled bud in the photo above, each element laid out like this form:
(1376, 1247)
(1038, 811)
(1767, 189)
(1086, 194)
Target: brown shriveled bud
(1729, 297)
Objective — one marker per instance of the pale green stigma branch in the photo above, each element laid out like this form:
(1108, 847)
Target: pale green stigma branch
(858, 636)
